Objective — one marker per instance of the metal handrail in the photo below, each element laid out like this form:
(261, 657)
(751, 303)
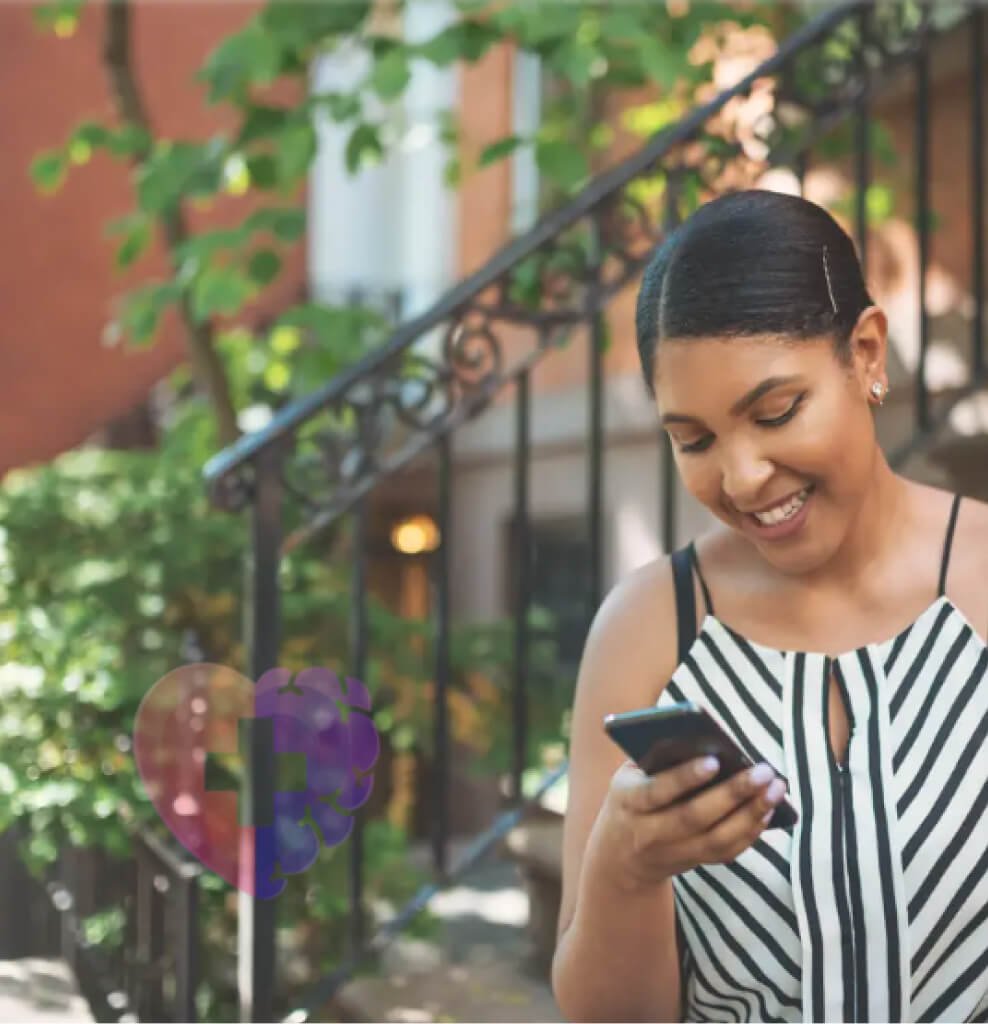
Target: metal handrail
(288, 419)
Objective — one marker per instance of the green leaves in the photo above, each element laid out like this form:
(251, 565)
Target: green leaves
(143, 308)
(263, 267)
(261, 122)
(285, 224)
(281, 40)
(137, 233)
(499, 150)
(176, 171)
(391, 74)
(296, 20)
(48, 170)
(467, 40)
(252, 56)
(564, 162)
(363, 148)
(220, 289)
(295, 151)
(60, 17)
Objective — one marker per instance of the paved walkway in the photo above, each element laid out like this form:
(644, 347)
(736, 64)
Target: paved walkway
(34, 989)
(478, 970)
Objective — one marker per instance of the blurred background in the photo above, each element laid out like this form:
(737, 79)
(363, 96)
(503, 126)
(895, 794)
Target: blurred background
(320, 351)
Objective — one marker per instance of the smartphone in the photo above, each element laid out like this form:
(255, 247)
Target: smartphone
(660, 738)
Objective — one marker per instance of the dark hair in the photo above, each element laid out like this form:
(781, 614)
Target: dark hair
(751, 263)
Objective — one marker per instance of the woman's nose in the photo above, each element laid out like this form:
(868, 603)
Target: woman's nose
(744, 474)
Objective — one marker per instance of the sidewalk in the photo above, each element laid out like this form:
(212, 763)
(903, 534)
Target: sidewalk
(34, 989)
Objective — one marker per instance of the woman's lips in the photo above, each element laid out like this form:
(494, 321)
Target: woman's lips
(784, 529)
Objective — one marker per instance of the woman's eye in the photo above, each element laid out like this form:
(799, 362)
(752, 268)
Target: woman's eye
(697, 446)
(777, 421)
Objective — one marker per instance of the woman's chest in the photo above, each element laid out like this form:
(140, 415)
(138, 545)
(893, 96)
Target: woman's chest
(885, 876)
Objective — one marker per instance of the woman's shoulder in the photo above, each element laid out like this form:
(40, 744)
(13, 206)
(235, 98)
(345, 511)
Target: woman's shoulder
(970, 530)
(967, 568)
(976, 513)
(632, 639)
(967, 581)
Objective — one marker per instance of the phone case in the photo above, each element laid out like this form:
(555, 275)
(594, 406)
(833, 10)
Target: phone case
(660, 738)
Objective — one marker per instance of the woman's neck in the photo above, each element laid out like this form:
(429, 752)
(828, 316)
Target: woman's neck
(881, 526)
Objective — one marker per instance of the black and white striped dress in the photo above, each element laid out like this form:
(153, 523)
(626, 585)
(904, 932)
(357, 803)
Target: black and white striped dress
(874, 907)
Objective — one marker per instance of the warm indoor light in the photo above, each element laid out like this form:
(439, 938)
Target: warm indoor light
(415, 535)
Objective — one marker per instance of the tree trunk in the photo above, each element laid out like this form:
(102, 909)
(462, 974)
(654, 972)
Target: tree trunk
(207, 368)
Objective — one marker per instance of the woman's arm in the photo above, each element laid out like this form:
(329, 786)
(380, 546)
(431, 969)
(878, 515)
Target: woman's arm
(616, 955)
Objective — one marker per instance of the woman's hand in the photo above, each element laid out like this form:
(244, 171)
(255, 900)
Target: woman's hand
(654, 829)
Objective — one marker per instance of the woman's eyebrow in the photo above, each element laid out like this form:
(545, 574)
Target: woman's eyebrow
(743, 403)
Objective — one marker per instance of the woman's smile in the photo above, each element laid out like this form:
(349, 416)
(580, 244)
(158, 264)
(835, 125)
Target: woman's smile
(783, 520)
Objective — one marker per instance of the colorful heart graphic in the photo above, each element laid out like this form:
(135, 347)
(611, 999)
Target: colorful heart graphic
(199, 714)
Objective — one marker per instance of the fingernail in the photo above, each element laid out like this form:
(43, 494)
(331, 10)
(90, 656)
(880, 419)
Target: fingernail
(761, 774)
(767, 817)
(707, 766)
(775, 791)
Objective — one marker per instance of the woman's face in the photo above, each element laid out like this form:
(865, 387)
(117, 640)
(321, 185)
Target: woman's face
(781, 429)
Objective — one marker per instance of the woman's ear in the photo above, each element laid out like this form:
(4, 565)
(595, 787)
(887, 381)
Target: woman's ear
(869, 349)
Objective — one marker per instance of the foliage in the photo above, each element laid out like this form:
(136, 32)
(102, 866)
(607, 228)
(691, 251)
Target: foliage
(588, 50)
(141, 565)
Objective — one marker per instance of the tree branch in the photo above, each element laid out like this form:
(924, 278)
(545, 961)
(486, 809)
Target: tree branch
(207, 368)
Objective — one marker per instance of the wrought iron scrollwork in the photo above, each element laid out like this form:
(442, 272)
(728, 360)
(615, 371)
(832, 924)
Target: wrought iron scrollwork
(448, 364)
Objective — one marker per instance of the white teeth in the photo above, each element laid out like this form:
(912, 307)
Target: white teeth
(784, 512)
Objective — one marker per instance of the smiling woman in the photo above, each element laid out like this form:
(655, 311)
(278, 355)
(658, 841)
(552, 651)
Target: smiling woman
(842, 660)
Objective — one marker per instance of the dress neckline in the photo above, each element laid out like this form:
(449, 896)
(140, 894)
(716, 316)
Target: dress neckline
(929, 612)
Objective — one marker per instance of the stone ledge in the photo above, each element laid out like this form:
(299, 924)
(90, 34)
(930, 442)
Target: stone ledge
(537, 846)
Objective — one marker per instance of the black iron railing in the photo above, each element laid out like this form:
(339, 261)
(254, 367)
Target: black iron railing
(154, 974)
(329, 450)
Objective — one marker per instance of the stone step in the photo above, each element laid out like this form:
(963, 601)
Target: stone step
(500, 990)
(481, 967)
(536, 847)
(36, 989)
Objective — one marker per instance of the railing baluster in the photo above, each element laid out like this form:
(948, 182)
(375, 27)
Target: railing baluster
(358, 668)
(978, 191)
(922, 68)
(66, 874)
(187, 952)
(441, 710)
(522, 594)
(145, 897)
(598, 333)
(160, 884)
(167, 887)
(862, 141)
(256, 917)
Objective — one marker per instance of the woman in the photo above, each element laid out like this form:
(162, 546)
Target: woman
(838, 642)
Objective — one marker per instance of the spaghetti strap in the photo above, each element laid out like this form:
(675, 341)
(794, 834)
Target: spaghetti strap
(703, 582)
(682, 578)
(945, 561)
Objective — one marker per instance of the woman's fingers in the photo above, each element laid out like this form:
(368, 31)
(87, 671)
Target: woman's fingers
(668, 828)
(735, 833)
(646, 794)
(706, 809)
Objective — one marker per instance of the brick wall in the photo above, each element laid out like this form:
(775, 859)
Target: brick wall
(58, 382)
